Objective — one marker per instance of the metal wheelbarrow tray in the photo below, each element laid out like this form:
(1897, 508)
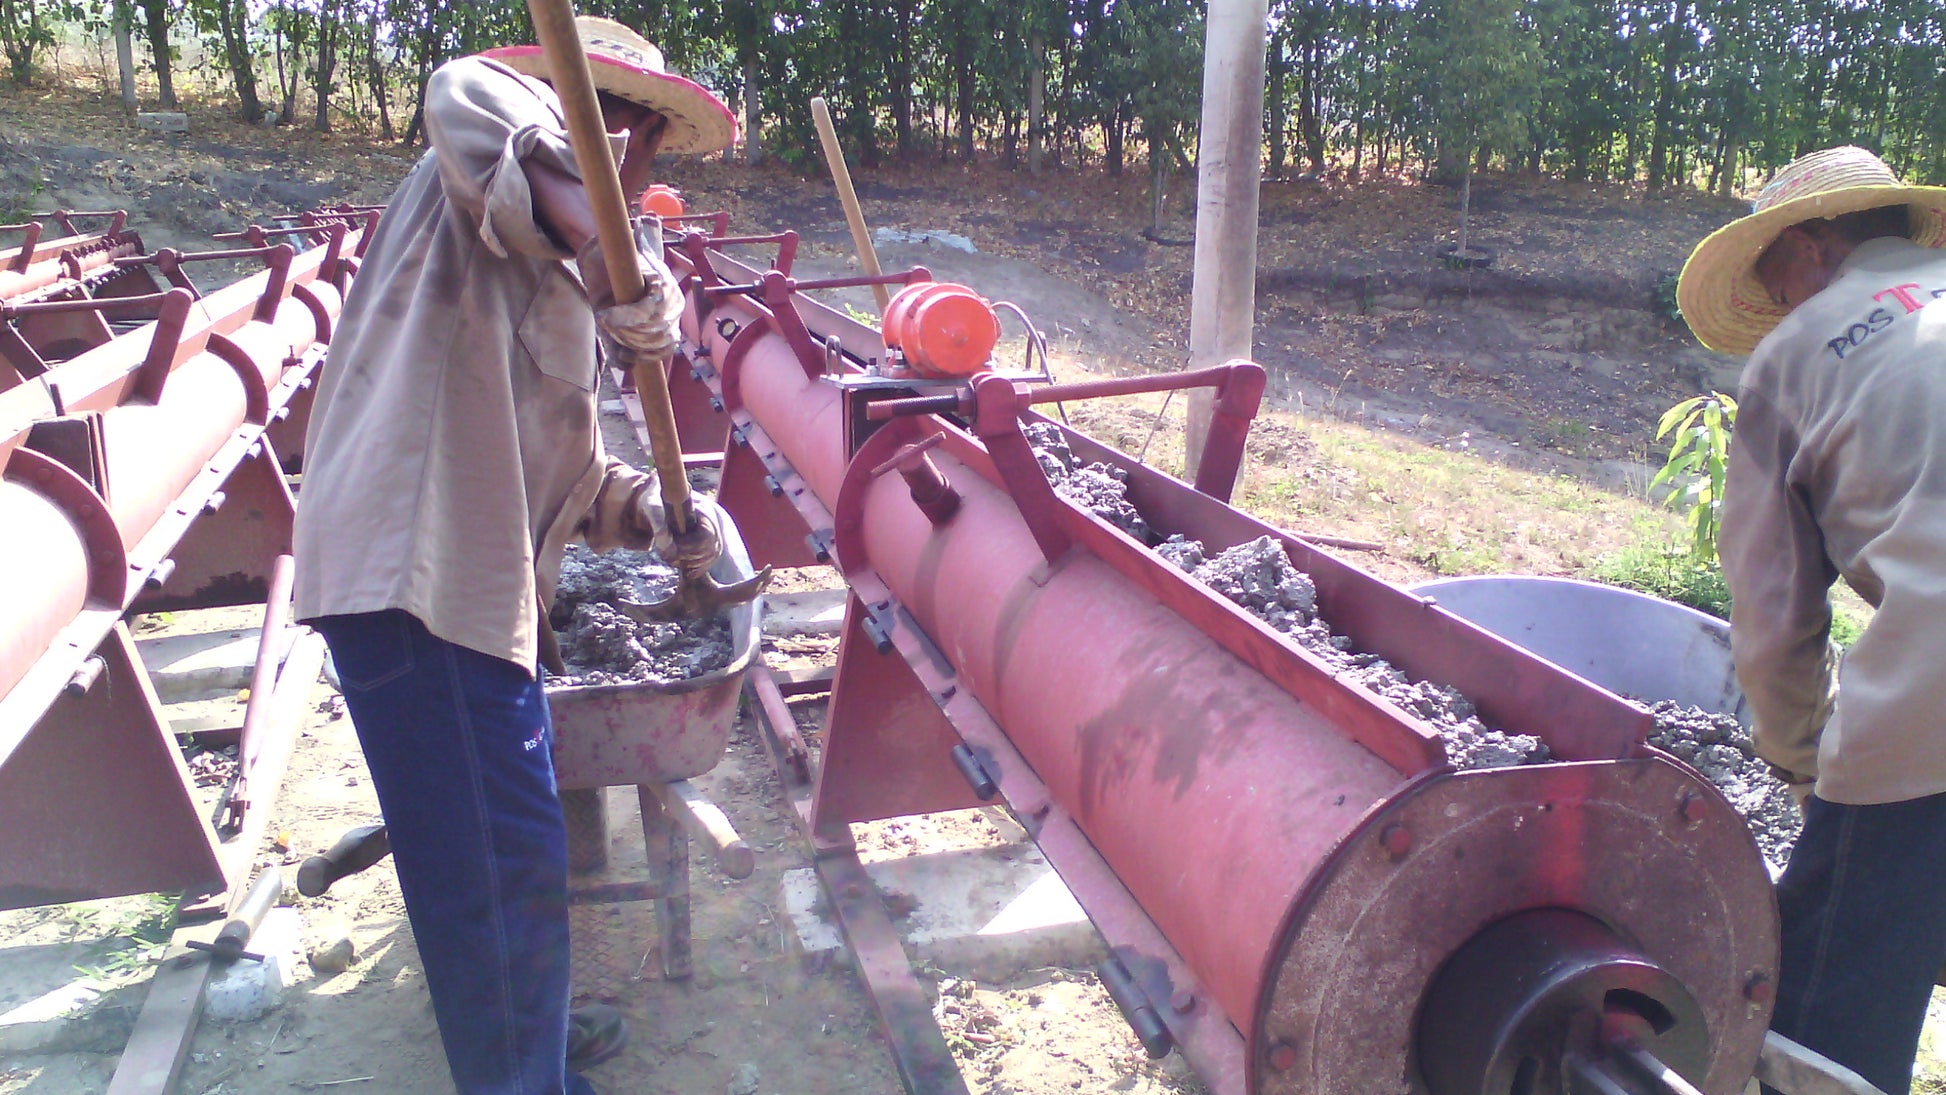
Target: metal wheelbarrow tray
(610, 735)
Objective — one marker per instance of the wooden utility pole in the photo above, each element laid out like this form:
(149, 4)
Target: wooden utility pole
(1229, 166)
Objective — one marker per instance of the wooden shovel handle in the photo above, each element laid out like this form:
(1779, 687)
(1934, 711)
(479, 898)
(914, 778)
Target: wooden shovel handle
(834, 157)
(567, 62)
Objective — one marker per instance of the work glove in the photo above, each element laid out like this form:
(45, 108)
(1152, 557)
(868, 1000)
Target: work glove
(651, 328)
(1797, 783)
(696, 547)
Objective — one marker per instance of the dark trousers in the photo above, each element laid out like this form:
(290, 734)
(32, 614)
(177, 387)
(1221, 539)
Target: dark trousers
(1864, 910)
(459, 747)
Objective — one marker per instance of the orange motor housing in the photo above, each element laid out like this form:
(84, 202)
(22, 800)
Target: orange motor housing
(662, 200)
(943, 329)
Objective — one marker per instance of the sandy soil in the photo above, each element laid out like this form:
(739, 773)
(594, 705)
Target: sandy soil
(757, 1017)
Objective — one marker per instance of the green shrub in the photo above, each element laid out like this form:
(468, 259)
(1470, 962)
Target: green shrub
(1664, 298)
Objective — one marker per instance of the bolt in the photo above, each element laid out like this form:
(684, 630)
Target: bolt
(1692, 807)
(1758, 989)
(1396, 839)
(1183, 1001)
(1283, 1056)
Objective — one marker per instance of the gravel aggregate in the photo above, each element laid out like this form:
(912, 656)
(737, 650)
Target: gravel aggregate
(1718, 747)
(1258, 576)
(1100, 488)
(601, 645)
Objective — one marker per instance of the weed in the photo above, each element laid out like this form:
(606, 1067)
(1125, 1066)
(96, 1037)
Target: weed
(134, 929)
(1663, 298)
(1669, 572)
(149, 918)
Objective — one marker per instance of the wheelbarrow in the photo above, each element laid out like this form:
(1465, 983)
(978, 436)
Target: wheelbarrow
(655, 736)
(651, 735)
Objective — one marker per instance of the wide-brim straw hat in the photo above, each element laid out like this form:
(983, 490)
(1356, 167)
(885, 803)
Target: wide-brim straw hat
(627, 65)
(1719, 294)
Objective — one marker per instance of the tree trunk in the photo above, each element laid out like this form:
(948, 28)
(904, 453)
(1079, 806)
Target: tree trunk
(125, 53)
(1116, 153)
(901, 80)
(1036, 93)
(375, 69)
(1276, 104)
(20, 31)
(1158, 178)
(325, 67)
(156, 17)
(963, 76)
(232, 22)
(1310, 116)
(1662, 133)
(753, 131)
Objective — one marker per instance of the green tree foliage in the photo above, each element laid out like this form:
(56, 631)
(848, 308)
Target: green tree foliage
(1709, 94)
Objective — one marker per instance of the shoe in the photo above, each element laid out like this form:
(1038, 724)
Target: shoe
(596, 1033)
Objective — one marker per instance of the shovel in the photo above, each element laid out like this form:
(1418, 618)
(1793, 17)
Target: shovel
(697, 595)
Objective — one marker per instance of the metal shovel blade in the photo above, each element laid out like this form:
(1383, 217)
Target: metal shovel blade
(697, 597)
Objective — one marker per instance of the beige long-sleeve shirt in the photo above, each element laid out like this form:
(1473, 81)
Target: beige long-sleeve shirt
(453, 448)
(1839, 470)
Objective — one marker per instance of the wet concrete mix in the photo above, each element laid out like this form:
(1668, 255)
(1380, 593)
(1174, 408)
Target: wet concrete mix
(1099, 488)
(601, 645)
(1259, 577)
(1719, 748)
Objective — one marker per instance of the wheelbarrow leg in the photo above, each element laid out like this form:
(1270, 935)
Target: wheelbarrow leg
(668, 847)
(586, 814)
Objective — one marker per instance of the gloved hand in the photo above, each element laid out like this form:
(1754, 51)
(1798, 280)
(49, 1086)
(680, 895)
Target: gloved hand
(695, 548)
(649, 329)
(1797, 783)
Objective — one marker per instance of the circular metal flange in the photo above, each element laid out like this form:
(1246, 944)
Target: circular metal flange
(1526, 993)
(1611, 839)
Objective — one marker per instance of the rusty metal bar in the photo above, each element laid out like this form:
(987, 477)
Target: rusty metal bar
(24, 254)
(277, 612)
(117, 219)
(86, 304)
(919, 1050)
(771, 698)
(757, 288)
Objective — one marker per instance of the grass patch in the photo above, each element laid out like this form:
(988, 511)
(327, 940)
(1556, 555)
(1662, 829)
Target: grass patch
(1671, 573)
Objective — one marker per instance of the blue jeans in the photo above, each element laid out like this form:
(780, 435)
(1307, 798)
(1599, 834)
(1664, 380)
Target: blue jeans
(459, 747)
(1864, 910)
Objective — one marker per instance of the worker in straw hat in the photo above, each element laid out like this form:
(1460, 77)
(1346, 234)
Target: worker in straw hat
(451, 453)
(1833, 286)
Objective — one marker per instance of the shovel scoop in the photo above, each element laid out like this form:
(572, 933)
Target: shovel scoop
(698, 594)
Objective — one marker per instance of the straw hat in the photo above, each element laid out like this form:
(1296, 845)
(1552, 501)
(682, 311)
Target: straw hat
(1719, 294)
(628, 66)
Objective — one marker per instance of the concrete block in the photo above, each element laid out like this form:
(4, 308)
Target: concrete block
(985, 913)
(804, 612)
(246, 990)
(190, 666)
(163, 122)
(41, 1025)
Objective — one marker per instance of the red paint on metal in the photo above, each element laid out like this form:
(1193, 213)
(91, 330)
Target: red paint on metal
(80, 827)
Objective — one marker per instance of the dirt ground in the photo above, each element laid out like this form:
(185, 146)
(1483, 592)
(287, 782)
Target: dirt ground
(1554, 358)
